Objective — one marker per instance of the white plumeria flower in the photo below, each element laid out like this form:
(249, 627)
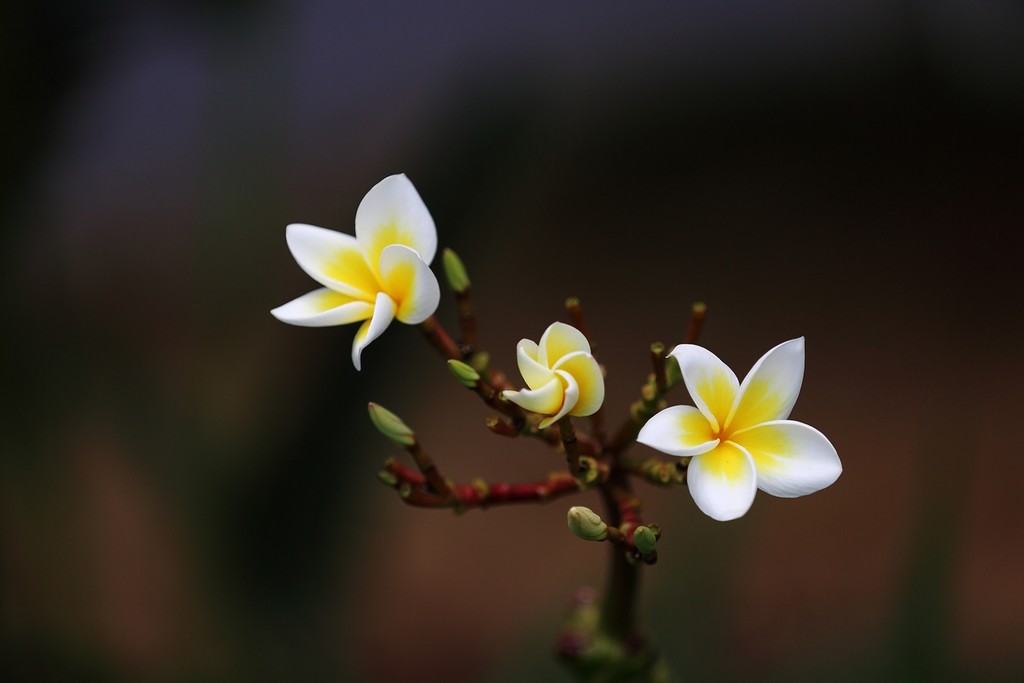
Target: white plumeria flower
(562, 375)
(380, 274)
(738, 434)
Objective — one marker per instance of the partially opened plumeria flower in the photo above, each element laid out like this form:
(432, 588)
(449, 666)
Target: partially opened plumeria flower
(562, 375)
(380, 274)
(738, 434)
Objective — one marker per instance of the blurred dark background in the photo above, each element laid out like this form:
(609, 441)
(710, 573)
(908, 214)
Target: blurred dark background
(187, 487)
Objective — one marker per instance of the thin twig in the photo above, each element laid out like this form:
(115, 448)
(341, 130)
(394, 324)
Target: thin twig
(480, 494)
(570, 444)
(431, 474)
(652, 393)
(658, 363)
(698, 313)
(440, 339)
(467, 321)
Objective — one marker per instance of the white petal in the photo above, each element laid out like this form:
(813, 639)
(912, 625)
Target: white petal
(333, 259)
(534, 374)
(410, 283)
(546, 400)
(560, 340)
(393, 213)
(792, 459)
(678, 430)
(770, 388)
(323, 307)
(383, 314)
(570, 397)
(587, 373)
(723, 482)
(712, 385)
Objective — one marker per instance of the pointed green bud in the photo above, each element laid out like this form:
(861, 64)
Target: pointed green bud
(645, 540)
(391, 426)
(586, 524)
(466, 375)
(386, 477)
(455, 271)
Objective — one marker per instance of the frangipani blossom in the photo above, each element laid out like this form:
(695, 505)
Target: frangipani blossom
(562, 375)
(738, 435)
(380, 274)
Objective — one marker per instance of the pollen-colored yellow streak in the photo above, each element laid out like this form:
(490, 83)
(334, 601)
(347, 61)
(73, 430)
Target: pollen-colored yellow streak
(327, 299)
(363, 332)
(760, 402)
(384, 235)
(349, 266)
(715, 389)
(726, 462)
(587, 373)
(400, 283)
(546, 400)
(561, 340)
(694, 429)
(769, 446)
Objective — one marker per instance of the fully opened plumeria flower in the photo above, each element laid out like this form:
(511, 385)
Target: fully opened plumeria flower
(562, 375)
(738, 434)
(381, 274)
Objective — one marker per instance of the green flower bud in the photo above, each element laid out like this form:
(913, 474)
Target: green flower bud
(466, 375)
(589, 471)
(391, 426)
(645, 539)
(586, 524)
(458, 280)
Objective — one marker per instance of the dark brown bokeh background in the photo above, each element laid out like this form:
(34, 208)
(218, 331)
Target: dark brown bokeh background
(187, 486)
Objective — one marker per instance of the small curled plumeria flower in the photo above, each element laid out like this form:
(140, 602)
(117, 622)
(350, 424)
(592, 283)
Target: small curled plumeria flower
(381, 274)
(738, 434)
(562, 375)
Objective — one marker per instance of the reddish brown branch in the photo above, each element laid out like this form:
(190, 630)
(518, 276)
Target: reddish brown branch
(467, 321)
(627, 511)
(575, 311)
(698, 313)
(658, 363)
(552, 436)
(431, 474)
(652, 393)
(440, 339)
(494, 398)
(570, 444)
(410, 485)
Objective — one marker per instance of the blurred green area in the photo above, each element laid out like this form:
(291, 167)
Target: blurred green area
(187, 487)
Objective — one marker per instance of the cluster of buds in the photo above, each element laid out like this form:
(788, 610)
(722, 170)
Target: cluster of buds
(734, 439)
(589, 526)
